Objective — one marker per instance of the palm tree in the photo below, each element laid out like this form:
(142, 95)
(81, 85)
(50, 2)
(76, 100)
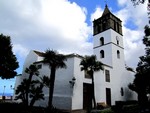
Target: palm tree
(54, 60)
(32, 70)
(90, 65)
(21, 91)
(35, 91)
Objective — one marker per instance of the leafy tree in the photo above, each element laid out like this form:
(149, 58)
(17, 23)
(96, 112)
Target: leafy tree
(136, 2)
(35, 92)
(8, 61)
(141, 83)
(54, 60)
(45, 80)
(90, 65)
(21, 91)
(32, 70)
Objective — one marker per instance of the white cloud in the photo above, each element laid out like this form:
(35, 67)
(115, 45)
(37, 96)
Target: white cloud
(122, 2)
(36, 24)
(98, 12)
(61, 25)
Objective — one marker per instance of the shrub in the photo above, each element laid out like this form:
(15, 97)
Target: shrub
(130, 108)
(109, 110)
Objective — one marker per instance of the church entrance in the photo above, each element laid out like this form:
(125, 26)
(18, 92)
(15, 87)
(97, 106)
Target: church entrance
(87, 96)
(108, 96)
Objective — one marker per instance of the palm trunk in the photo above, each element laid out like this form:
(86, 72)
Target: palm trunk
(51, 90)
(32, 102)
(27, 90)
(93, 90)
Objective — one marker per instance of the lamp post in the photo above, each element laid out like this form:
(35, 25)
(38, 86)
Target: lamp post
(3, 97)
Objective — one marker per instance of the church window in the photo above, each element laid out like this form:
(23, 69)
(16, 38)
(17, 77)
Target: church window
(118, 54)
(101, 41)
(102, 54)
(95, 29)
(86, 74)
(104, 25)
(122, 91)
(114, 25)
(117, 39)
(118, 27)
(107, 76)
(117, 42)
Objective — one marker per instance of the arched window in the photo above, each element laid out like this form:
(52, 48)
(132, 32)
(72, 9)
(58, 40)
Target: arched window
(122, 91)
(118, 54)
(102, 54)
(117, 42)
(117, 39)
(114, 25)
(101, 41)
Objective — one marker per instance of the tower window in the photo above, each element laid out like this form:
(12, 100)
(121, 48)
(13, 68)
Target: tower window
(118, 27)
(114, 25)
(101, 41)
(102, 54)
(118, 54)
(117, 42)
(121, 91)
(107, 76)
(117, 39)
(104, 25)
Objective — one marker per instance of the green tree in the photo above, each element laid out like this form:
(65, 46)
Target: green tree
(91, 65)
(141, 83)
(136, 2)
(54, 60)
(32, 70)
(35, 92)
(20, 91)
(8, 61)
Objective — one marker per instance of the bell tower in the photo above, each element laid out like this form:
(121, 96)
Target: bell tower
(108, 39)
(107, 21)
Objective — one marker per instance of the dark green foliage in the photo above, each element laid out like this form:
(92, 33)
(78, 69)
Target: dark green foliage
(90, 65)
(109, 110)
(45, 80)
(6, 107)
(32, 71)
(130, 106)
(54, 60)
(21, 91)
(30, 88)
(141, 83)
(35, 91)
(133, 108)
(8, 61)
(136, 2)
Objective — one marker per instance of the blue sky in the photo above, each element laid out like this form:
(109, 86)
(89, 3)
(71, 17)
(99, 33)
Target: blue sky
(66, 26)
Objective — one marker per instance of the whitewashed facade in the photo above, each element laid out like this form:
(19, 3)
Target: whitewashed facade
(111, 84)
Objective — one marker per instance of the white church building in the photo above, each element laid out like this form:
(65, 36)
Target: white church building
(111, 84)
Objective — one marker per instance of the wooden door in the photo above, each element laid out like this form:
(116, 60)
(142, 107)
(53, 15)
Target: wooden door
(108, 96)
(87, 96)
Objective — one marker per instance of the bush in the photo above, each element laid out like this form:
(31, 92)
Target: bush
(131, 108)
(8, 107)
(109, 110)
